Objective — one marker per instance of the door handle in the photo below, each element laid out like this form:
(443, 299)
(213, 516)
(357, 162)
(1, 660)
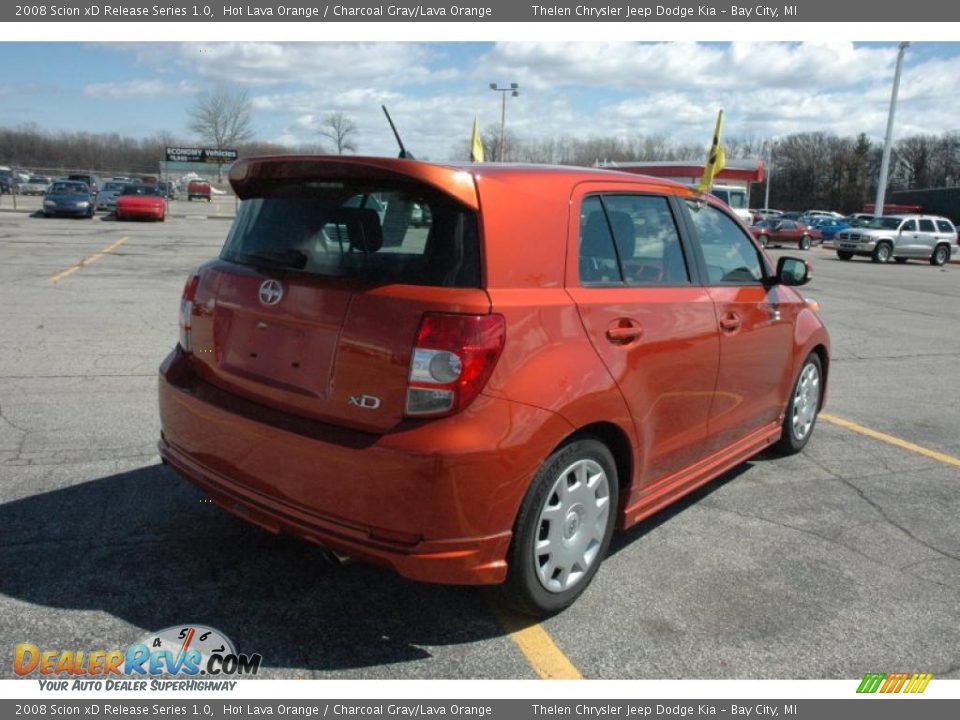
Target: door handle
(730, 322)
(624, 331)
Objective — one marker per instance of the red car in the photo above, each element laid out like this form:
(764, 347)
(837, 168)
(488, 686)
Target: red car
(199, 189)
(774, 231)
(556, 352)
(141, 201)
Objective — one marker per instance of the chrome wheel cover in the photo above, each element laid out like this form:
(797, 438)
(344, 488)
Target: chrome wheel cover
(571, 526)
(806, 398)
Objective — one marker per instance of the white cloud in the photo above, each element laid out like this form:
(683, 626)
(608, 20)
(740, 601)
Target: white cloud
(146, 87)
(653, 66)
(312, 64)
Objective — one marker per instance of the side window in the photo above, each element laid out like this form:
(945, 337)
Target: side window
(945, 227)
(648, 240)
(909, 226)
(598, 257)
(787, 225)
(927, 226)
(730, 256)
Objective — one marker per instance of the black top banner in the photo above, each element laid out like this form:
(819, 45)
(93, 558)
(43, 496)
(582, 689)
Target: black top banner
(635, 11)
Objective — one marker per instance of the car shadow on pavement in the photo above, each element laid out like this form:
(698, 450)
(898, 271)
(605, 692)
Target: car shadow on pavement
(626, 538)
(146, 547)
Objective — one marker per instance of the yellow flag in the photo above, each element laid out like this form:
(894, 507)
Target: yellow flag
(476, 144)
(715, 160)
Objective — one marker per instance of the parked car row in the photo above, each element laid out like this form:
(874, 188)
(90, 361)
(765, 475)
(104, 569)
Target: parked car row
(127, 200)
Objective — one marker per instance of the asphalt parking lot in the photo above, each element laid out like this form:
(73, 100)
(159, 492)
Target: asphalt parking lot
(841, 560)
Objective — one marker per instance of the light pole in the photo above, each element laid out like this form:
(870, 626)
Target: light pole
(885, 162)
(766, 191)
(514, 91)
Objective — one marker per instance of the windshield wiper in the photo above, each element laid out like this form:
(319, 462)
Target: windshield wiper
(292, 258)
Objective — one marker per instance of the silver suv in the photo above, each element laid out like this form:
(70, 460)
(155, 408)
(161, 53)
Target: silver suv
(901, 237)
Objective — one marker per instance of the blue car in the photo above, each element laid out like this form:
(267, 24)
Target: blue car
(69, 197)
(829, 227)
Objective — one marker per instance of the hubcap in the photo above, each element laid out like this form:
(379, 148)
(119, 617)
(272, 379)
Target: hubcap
(884, 254)
(806, 397)
(571, 526)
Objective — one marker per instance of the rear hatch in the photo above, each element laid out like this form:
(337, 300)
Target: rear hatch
(314, 305)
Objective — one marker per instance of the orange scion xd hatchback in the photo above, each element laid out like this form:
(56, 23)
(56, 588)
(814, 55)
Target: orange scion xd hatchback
(480, 397)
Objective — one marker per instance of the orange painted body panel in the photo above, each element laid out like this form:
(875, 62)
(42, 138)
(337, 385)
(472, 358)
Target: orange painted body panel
(260, 414)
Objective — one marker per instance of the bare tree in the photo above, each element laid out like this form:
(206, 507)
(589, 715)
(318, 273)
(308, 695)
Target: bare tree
(340, 130)
(222, 117)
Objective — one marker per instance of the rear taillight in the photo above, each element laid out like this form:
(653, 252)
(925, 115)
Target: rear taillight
(186, 310)
(452, 361)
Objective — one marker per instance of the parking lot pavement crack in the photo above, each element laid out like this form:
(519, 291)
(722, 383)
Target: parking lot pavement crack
(906, 356)
(827, 539)
(24, 433)
(906, 531)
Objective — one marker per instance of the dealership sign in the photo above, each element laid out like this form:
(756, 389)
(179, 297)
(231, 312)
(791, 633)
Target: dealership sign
(201, 155)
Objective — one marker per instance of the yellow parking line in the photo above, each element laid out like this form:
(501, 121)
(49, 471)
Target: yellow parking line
(892, 440)
(87, 260)
(546, 659)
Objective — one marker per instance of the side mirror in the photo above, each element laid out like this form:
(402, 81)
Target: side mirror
(792, 271)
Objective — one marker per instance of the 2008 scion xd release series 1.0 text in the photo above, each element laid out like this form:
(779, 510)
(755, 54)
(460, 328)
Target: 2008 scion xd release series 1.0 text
(481, 395)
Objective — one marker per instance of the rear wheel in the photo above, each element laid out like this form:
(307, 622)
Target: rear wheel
(801, 416)
(563, 528)
(763, 240)
(844, 255)
(882, 253)
(940, 255)
(805, 242)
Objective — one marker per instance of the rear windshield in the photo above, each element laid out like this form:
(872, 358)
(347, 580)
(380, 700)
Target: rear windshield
(377, 233)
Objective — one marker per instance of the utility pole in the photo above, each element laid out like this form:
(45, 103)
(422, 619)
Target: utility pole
(514, 91)
(885, 162)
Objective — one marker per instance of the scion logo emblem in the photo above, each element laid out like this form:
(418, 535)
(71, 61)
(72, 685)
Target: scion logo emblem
(270, 292)
(367, 402)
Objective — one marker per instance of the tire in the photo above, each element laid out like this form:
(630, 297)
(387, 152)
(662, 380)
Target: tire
(802, 409)
(163, 218)
(844, 255)
(900, 260)
(941, 254)
(805, 243)
(189, 198)
(546, 549)
(882, 252)
(763, 239)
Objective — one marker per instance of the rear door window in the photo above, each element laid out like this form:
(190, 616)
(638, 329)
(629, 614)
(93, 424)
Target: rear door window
(927, 226)
(631, 240)
(379, 234)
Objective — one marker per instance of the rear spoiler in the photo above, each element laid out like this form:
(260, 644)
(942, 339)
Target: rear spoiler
(249, 175)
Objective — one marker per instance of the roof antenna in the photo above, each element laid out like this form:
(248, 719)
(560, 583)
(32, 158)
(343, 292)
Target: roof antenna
(403, 150)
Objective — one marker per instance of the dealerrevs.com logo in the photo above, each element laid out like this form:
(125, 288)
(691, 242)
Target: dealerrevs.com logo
(185, 653)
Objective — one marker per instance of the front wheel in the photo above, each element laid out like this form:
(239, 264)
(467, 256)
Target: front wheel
(844, 255)
(940, 255)
(763, 240)
(805, 242)
(563, 528)
(801, 416)
(881, 253)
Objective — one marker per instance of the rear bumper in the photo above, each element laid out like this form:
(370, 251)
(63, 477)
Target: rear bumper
(434, 501)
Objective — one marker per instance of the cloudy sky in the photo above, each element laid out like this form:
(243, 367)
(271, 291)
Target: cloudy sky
(433, 90)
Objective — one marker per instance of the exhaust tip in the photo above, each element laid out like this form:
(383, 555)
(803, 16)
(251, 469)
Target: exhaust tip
(332, 557)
